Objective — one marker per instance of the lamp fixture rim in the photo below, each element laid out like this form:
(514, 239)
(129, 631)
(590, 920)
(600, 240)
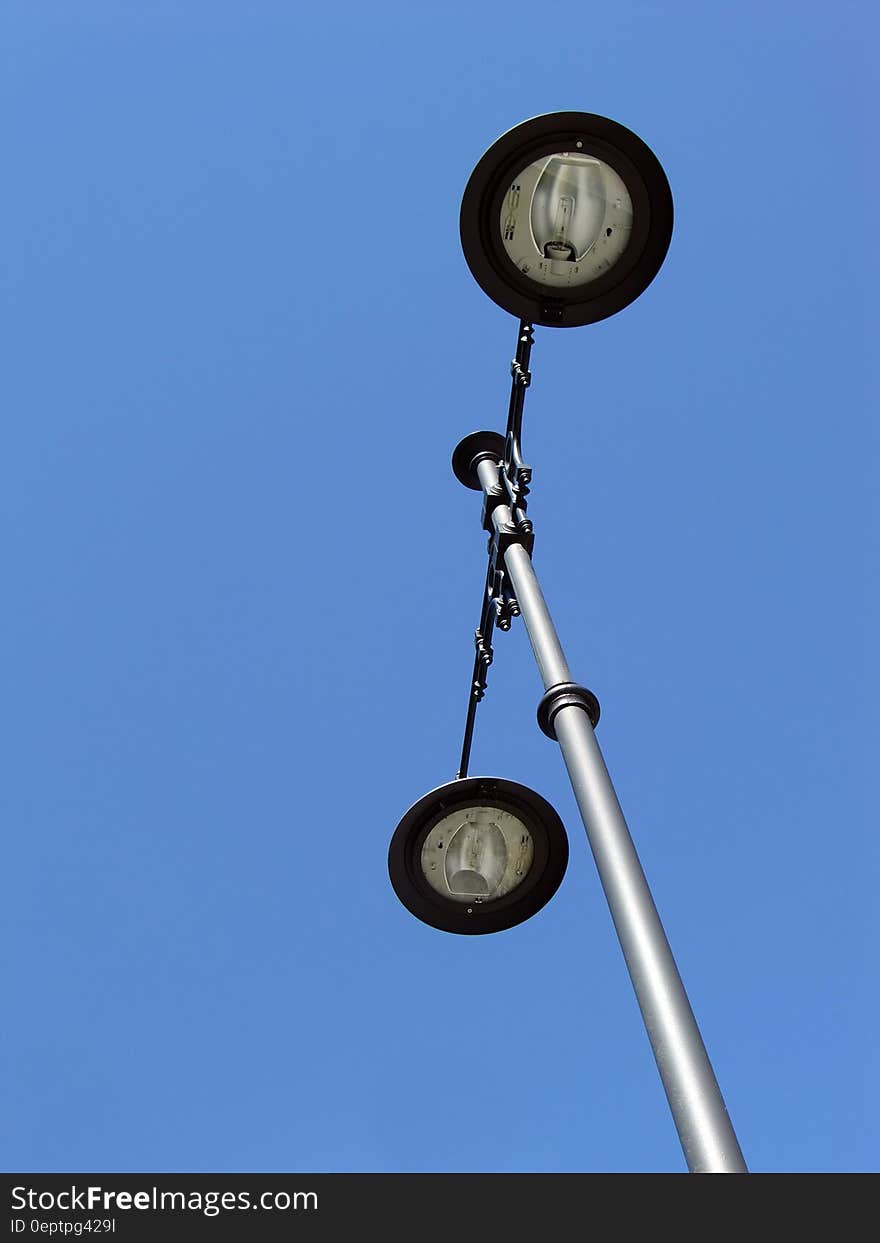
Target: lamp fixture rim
(629, 276)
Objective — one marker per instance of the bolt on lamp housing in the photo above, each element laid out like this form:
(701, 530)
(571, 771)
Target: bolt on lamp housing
(478, 855)
(566, 219)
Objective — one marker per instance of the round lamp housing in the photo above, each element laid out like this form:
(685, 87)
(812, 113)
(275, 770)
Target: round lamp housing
(478, 855)
(566, 219)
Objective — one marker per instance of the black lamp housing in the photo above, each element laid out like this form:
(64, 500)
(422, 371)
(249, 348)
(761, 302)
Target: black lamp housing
(549, 862)
(555, 133)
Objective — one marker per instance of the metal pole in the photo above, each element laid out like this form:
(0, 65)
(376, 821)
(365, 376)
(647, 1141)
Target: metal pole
(704, 1127)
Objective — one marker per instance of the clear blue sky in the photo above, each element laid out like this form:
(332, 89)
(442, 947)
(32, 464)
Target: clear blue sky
(240, 583)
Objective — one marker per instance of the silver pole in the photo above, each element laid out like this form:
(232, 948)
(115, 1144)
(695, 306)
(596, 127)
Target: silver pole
(704, 1127)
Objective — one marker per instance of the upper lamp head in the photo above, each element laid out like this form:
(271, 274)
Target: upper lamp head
(478, 855)
(566, 219)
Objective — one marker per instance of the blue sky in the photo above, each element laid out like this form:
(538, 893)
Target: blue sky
(241, 583)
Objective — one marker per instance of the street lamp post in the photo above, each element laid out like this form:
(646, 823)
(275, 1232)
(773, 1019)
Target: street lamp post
(565, 220)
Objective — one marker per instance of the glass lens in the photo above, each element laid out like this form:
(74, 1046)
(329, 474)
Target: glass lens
(477, 854)
(566, 219)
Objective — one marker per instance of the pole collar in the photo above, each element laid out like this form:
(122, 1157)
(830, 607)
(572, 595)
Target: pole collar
(473, 449)
(566, 695)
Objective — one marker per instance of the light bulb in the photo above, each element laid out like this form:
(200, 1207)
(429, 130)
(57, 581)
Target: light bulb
(568, 207)
(475, 859)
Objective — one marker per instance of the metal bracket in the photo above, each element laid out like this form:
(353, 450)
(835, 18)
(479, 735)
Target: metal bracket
(499, 605)
(515, 473)
(499, 590)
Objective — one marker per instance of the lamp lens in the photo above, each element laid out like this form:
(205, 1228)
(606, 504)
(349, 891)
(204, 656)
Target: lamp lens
(477, 854)
(566, 219)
